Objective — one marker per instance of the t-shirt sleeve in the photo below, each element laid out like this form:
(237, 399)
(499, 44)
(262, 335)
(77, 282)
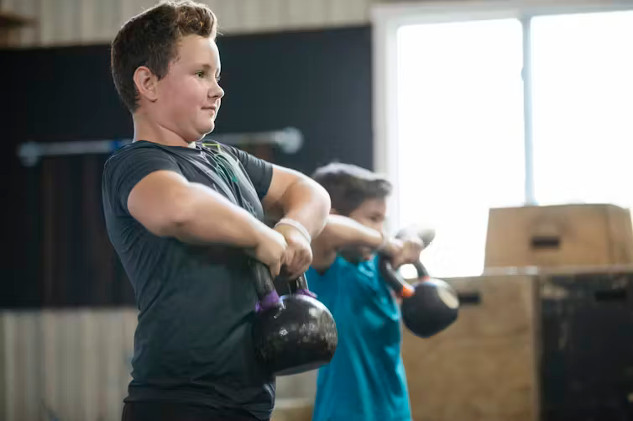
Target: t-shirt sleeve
(318, 284)
(327, 285)
(124, 171)
(259, 171)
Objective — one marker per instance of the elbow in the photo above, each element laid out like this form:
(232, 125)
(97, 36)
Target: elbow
(304, 189)
(320, 198)
(324, 201)
(325, 198)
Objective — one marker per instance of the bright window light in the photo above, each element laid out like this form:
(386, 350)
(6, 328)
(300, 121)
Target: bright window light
(583, 108)
(460, 134)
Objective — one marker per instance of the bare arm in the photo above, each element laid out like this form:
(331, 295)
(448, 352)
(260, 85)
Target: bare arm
(341, 231)
(168, 205)
(293, 195)
(296, 196)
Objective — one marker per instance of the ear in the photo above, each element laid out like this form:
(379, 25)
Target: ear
(146, 83)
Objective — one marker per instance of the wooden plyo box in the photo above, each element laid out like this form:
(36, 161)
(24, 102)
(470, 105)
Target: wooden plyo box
(483, 367)
(549, 345)
(549, 236)
(586, 344)
(293, 409)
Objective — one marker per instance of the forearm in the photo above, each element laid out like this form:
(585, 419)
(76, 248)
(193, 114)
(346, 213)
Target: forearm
(341, 231)
(307, 203)
(206, 217)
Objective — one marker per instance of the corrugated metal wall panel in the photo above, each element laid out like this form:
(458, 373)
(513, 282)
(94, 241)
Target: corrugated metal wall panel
(350, 11)
(106, 19)
(74, 365)
(228, 14)
(21, 366)
(306, 13)
(28, 8)
(69, 22)
(65, 364)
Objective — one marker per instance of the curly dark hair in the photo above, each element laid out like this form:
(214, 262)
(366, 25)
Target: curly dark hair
(350, 185)
(151, 39)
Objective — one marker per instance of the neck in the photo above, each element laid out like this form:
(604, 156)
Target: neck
(152, 131)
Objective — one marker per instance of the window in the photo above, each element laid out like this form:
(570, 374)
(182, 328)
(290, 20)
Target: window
(582, 74)
(453, 126)
(460, 125)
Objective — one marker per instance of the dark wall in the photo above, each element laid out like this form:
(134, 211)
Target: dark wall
(319, 82)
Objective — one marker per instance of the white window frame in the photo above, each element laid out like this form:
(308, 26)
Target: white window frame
(387, 18)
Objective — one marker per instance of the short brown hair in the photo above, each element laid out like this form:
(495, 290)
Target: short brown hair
(350, 185)
(151, 39)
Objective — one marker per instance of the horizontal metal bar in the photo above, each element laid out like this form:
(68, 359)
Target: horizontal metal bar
(289, 140)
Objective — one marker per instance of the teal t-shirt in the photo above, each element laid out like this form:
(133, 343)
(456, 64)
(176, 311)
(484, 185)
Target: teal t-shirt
(365, 381)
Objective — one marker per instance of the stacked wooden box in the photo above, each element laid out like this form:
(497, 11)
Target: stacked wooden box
(546, 333)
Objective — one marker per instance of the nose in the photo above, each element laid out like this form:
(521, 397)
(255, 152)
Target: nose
(215, 91)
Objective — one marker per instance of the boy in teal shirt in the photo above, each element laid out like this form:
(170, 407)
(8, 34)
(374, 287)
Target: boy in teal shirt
(365, 381)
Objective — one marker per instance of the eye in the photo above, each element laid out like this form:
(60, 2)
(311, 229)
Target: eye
(201, 74)
(218, 78)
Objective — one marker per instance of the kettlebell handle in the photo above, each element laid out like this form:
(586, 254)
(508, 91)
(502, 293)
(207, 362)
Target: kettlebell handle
(397, 282)
(264, 287)
(421, 269)
(301, 283)
(300, 286)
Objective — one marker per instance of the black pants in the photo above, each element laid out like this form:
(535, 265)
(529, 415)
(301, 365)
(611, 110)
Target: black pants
(166, 411)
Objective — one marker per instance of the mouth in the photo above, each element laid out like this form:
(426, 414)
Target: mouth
(213, 109)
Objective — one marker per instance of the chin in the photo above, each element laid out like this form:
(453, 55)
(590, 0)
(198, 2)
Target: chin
(205, 130)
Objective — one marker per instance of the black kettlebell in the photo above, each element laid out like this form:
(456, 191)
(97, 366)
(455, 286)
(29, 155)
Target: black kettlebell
(293, 333)
(428, 306)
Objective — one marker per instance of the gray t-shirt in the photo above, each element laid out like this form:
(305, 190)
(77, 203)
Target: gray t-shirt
(196, 303)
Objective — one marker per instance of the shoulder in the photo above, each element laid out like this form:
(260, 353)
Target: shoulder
(139, 148)
(334, 269)
(137, 152)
